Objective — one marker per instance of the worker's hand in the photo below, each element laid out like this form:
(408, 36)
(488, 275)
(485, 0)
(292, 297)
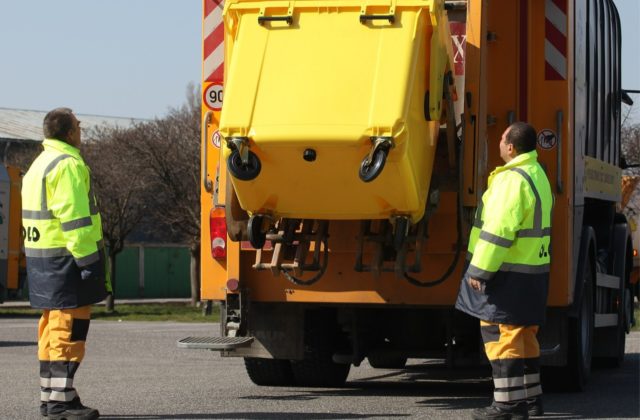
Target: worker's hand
(475, 283)
(92, 271)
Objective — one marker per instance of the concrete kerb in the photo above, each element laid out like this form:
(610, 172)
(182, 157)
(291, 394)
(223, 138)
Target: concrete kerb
(159, 301)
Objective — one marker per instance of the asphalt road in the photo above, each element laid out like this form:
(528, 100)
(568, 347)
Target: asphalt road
(133, 370)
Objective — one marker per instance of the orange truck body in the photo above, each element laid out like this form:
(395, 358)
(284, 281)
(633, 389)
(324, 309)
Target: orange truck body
(12, 261)
(541, 62)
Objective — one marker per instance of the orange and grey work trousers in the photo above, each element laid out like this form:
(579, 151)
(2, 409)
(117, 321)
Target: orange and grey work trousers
(61, 338)
(514, 354)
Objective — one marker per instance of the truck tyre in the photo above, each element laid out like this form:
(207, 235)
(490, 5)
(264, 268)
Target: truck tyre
(320, 371)
(386, 361)
(269, 372)
(321, 340)
(618, 336)
(581, 335)
(613, 339)
(618, 342)
(618, 360)
(574, 375)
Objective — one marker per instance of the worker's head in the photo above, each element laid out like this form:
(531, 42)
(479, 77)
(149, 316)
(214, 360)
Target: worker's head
(518, 138)
(61, 124)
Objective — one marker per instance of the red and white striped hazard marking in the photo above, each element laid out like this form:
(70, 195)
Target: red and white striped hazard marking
(555, 42)
(213, 43)
(459, 42)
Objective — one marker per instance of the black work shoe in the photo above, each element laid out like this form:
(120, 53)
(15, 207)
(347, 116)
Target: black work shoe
(74, 411)
(43, 409)
(534, 407)
(494, 412)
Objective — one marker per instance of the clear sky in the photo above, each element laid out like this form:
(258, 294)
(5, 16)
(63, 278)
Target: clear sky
(135, 58)
(629, 11)
(129, 58)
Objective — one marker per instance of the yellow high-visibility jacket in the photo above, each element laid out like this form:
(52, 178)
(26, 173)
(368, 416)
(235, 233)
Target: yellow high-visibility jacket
(62, 231)
(509, 246)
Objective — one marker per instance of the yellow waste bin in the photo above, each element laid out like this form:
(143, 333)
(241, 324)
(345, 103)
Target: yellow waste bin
(332, 108)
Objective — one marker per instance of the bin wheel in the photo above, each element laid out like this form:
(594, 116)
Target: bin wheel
(369, 172)
(241, 171)
(257, 236)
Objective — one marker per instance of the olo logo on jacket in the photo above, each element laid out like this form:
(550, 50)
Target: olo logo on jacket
(31, 234)
(544, 253)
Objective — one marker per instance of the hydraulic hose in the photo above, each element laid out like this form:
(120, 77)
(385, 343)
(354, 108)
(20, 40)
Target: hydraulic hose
(325, 262)
(454, 263)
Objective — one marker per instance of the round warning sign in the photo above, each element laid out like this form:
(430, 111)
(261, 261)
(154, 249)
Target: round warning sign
(215, 139)
(213, 96)
(547, 139)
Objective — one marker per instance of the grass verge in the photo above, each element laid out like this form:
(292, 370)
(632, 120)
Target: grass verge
(176, 312)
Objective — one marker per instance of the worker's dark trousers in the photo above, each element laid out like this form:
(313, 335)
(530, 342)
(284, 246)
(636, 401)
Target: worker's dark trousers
(514, 354)
(61, 338)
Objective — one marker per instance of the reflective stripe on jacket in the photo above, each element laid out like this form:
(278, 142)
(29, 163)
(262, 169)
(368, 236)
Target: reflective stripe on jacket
(62, 230)
(509, 246)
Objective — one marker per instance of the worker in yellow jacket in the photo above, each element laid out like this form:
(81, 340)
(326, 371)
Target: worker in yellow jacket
(66, 264)
(507, 277)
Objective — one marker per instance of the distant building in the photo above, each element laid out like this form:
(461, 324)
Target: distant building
(24, 127)
(153, 264)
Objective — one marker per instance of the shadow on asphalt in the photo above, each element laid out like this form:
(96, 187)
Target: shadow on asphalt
(257, 415)
(444, 389)
(18, 343)
(19, 316)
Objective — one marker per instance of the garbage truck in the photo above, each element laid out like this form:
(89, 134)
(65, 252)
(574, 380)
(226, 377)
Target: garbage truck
(345, 148)
(12, 260)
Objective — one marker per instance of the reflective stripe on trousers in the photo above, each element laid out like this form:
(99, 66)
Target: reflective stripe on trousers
(514, 354)
(61, 344)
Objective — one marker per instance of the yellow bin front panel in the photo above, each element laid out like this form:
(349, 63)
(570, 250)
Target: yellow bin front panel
(328, 82)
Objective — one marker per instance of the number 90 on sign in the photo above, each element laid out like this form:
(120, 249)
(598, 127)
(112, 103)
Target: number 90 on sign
(213, 96)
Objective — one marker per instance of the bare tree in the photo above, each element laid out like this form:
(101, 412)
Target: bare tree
(119, 181)
(631, 147)
(22, 155)
(170, 150)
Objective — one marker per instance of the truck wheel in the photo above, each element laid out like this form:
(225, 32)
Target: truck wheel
(581, 336)
(269, 372)
(573, 376)
(321, 340)
(386, 361)
(610, 341)
(241, 171)
(320, 371)
(620, 339)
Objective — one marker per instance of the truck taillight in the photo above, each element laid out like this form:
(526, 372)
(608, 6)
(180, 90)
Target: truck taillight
(635, 252)
(218, 233)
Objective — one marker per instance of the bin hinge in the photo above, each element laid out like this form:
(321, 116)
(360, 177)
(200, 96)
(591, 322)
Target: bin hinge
(241, 145)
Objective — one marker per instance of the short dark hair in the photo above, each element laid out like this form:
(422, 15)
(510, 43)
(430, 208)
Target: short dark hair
(522, 136)
(58, 123)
